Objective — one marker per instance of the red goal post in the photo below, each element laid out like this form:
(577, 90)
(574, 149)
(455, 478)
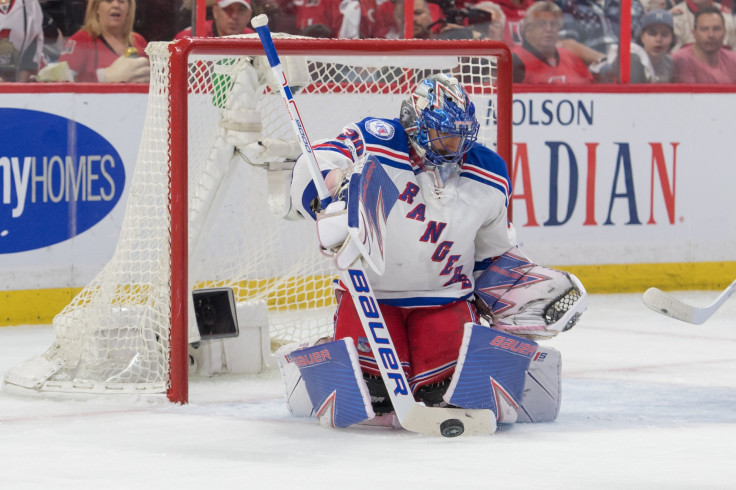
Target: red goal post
(197, 217)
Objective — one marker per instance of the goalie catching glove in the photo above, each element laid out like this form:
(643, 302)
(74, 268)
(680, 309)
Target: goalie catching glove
(526, 299)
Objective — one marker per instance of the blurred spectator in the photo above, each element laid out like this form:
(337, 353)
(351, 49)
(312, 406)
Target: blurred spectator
(229, 17)
(484, 20)
(317, 31)
(650, 59)
(492, 27)
(67, 14)
(281, 14)
(21, 39)
(53, 39)
(596, 23)
(386, 17)
(351, 19)
(105, 49)
(539, 59)
(422, 19)
(706, 61)
(373, 21)
(650, 5)
(513, 15)
(160, 20)
(683, 15)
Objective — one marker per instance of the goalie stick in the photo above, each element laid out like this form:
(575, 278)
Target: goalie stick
(413, 416)
(663, 303)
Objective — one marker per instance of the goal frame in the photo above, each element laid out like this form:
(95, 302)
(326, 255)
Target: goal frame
(180, 51)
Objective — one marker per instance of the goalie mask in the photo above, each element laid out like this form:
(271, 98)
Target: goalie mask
(439, 119)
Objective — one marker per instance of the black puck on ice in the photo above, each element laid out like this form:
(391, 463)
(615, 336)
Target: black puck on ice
(451, 428)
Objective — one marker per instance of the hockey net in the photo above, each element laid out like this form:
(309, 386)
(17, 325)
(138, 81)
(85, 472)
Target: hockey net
(126, 331)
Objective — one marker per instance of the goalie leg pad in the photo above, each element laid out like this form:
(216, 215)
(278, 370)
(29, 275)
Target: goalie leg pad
(491, 371)
(527, 299)
(297, 398)
(542, 390)
(334, 382)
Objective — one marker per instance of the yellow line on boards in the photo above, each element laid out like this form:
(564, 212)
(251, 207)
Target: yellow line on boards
(39, 306)
(631, 278)
(33, 306)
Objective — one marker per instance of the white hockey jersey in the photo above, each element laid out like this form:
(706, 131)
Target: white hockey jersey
(21, 37)
(433, 242)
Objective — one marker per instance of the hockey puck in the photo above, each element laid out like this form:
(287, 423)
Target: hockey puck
(451, 428)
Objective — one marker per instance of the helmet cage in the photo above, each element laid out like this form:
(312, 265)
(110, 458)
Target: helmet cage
(450, 123)
(440, 104)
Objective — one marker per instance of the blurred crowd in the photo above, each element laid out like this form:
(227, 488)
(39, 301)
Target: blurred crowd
(552, 41)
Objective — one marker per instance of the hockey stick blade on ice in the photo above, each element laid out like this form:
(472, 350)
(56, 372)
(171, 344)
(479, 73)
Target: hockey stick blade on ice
(448, 422)
(665, 304)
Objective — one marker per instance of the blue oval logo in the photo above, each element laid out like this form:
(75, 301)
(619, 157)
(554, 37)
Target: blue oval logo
(58, 178)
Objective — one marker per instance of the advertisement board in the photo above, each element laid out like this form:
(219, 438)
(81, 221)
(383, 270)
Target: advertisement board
(624, 178)
(619, 188)
(65, 164)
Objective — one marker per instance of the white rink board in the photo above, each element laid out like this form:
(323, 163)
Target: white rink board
(617, 131)
(623, 128)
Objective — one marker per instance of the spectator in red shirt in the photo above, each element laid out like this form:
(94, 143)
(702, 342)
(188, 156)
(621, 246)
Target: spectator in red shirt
(229, 17)
(538, 59)
(706, 61)
(683, 15)
(106, 49)
(350, 19)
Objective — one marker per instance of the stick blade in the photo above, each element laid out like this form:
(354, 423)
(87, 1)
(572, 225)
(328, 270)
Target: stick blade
(449, 422)
(661, 302)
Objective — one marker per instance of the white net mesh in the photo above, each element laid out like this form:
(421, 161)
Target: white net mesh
(114, 336)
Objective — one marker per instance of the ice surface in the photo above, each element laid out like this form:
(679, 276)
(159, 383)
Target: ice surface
(648, 402)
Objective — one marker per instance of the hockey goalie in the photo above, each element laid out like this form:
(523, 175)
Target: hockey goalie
(464, 306)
